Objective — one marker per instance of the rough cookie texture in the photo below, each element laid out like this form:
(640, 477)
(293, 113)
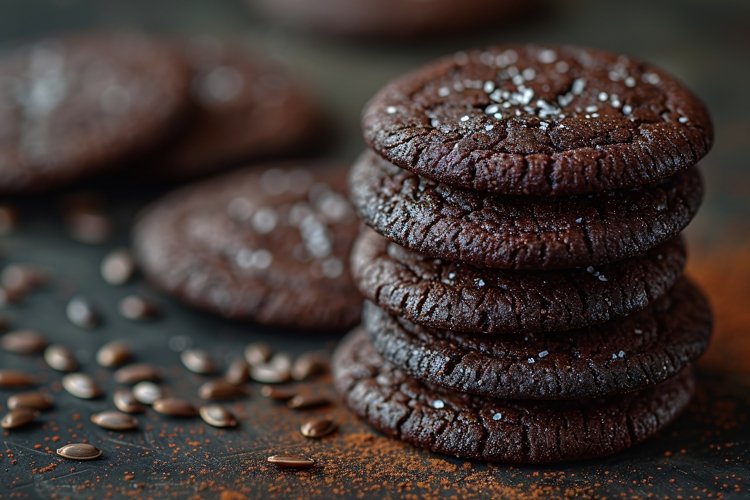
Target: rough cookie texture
(623, 355)
(520, 232)
(528, 119)
(442, 294)
(266, 244)
(499, 430)
(74, 106)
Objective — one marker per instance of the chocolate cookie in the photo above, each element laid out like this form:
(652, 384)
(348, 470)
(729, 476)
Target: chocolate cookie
(623, 355)
(520, 232)
(74, 106)
(498, 430)
(268, 245)
(452, 296)
(528, 119)
(245, 108)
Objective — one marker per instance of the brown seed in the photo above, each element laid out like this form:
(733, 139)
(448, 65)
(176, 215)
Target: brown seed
(114, 421)
(304, 401)
(238, 372)
(82, 313)
(220, 389)
(13, 379)
(10, 296)
(23, 279)
(198, 361)
(114, 354)
(278, 393)
(18, 418)
(258, 353)
(276, 371)
(318, 427)
(137, 308)
(23, 342)
(60, 358)
(125, 401)
(8, 219)
(309, 365)
(174, 407)
(291, 461)
(35, 400)
(147, 392)
(79, 451)
(217, 416)
(118, 267)
(81, 386)
(89, 225)
(137, 373)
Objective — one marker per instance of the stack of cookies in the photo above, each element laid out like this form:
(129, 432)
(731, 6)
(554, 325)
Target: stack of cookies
(524, 277)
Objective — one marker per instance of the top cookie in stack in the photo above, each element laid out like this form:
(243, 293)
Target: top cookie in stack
(531, 200)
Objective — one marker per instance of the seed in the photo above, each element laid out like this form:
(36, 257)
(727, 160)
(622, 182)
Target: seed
(217, 416)
(60, 358)
(82, 313)
(22, 279)
(137, 373)
(309, 365)
(88, 225)
(277, 370)
(174, 407)
(10, 296)
(23, 342)
(220, 389)
(81, 386)
(114, 421)
(114, 354)
(118, 267)
(137, 308)
(147, 392)
(278, 393)
(125, 401)
(303, 402)
(258, 353)
(8, 219)
(291, 461)
(318, 427)
(198, 361)
(238, 372)
(18, 418)
(12, 379)
(34, 400)
(79, 451)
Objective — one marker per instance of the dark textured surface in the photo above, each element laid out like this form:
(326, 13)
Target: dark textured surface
(443, 294)
(620, 356)
(519, 232)
(267, 244)
(80, 105)
(529, 119)
(469, 426)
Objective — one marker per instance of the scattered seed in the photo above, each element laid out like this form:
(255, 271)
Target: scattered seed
(118, 267)
(60, 358)
(114, 421)
(10, 296)
(22, 279)
(89, 225)
(18, 418)
(34, 400)
(79, 451)
(23, 342)
(303, 402)
(258, 353)
(174, 407)
(125, 401)
(217, 416)
(137, 373)
(81, 386)
(291, 461)
(8, 219)
(114, 354)
(137, 308)
(12, 379)
(278, 393)
(238, 372)
(309, 365)
(221, 389)
(147, 392)
(82, 313)
(198, 361)
(318, 427)
(276, 371)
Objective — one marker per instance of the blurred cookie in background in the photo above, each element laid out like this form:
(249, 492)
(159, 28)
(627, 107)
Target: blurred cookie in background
(391, 18)
(269, 245)
(245, 108)
(75, 106)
